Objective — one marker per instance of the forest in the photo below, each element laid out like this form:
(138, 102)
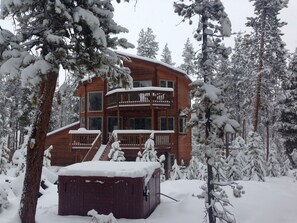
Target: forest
(243, 114)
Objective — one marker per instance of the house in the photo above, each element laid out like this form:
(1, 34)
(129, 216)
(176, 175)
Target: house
(160, 92)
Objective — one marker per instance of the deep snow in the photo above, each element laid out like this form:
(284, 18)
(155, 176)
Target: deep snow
(273, 201)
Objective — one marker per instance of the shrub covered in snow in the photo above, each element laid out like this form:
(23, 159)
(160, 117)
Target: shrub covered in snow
(4, 203)
(101, 218)
(116, 153)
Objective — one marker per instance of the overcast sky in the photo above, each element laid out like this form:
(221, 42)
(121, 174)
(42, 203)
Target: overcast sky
(167, 26)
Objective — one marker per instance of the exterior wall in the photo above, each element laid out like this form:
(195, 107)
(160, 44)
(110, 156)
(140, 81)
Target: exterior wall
(124, 197)
(61, 154)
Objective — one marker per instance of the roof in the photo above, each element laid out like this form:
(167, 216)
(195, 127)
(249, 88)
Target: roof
(154, 61)
(111, 169)
(157, 62)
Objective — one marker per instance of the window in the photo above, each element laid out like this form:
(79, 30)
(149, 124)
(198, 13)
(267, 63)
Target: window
(140, 123)
(182, 125)
(95, 101)
(147, 83)
(163, 123)
(95, 123)
(82, 104)
(82, 122)
(166, 83)
(113, 124)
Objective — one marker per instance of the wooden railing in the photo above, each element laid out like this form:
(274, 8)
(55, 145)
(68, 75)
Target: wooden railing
(94, 148)
(154, 96)
(137, 138)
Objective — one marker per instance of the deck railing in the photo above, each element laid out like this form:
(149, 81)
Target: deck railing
(85, 139)
(135, 139)
(145, 96)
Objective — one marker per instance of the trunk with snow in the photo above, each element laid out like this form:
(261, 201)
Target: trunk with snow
(35, 149)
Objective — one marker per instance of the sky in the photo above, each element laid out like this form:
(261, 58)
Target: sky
(168, 28)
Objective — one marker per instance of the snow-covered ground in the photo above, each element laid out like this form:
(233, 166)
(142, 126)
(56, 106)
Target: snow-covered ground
(273, 201)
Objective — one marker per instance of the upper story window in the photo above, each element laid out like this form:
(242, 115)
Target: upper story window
(167, 123)
(166, 83)
(95, 101)
(146, 83)
(182, 125)
(82, 104)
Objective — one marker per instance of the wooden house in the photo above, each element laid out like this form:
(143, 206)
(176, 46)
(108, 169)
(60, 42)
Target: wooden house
(160, 92)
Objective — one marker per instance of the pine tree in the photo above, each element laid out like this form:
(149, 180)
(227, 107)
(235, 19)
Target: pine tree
(149, 154)
(287, 123)
(4, 155)
(255, 169)
(147, 44)
(273, 166)
(166, 56)
(188, 55)
(116, 153)
(176, 173)
(77, 35)
(211, 116)
(269, 53)
(196, 169)
(236, 159)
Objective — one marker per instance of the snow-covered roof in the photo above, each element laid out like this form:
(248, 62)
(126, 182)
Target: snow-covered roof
(141, 131)
(155, 62)
(140, 89)
(84, 131)
(63, 128)
(111, 169)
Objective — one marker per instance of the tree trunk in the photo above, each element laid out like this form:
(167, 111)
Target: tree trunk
(260, 70)
(35, 149)
(210, 190)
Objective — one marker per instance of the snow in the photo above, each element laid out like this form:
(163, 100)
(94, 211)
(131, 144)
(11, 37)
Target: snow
(118, 90)
(111, 169)
(63, 128)
(141, 131)
(84, 131)
(273, 201)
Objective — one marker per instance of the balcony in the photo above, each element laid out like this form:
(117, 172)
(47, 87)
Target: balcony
(139, 97)
(135, 139)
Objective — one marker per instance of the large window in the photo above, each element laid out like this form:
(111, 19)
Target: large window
(113, 124)
(147, 83)
(82, 104)
(95, 101)
(95, 123)
(167, 123)
(140, 123)
(182, 125)
(82, 122)
(166, 83)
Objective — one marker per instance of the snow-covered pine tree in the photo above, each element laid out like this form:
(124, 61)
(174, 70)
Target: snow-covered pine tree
(255, 168)
(196, 169)
(272, 165)
(65, 105)
(149, 154)
(79, 36)
(176, 173)
(4, 156)
(188, 55)
(147, 44)
(287, 122)
(116, 154)
(240, 83)
(166, 56)
(236, 160)
(270, 56)
(47, 157)
(210, 116)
